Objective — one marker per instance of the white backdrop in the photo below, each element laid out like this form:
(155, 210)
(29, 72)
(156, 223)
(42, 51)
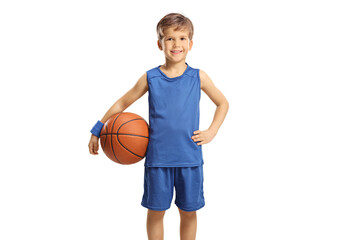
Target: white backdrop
(284, 165)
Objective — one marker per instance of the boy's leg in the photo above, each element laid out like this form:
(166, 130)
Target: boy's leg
(158, 193)
(154, 225)
(188, 224)
(189, 198)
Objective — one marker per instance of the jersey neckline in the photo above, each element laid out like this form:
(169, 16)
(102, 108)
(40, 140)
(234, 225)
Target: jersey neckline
(174, 78)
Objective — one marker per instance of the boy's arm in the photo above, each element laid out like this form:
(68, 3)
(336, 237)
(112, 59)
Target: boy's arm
(128, 98)
(222, 106)
(120, 105)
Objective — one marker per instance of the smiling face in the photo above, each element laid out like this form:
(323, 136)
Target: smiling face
(175, 44)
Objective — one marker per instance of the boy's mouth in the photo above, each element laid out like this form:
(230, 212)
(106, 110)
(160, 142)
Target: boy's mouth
(176, 52)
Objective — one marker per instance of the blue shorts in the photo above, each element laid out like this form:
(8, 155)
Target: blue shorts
(159, 183)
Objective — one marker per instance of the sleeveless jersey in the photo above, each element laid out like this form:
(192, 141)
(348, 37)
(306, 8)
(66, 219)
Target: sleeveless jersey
(173, 118)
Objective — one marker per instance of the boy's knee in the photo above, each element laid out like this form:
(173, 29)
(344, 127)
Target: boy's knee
(158, 214)
(187, 214)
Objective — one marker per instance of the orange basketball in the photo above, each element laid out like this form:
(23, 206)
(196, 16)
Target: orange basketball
(124, 138)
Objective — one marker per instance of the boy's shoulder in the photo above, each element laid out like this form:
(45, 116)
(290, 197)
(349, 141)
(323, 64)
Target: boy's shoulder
(152, 69)
(153, 72)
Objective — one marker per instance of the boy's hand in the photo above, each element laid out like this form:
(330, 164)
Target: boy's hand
(203, 137)
(94, 144)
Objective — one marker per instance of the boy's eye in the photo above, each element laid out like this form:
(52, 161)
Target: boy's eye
(172, 38)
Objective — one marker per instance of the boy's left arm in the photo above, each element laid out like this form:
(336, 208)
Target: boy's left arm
(222, 106)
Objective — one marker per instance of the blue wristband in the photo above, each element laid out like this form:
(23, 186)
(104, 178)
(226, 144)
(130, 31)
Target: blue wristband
(97, 128)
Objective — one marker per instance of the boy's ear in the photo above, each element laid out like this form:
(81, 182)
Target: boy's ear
(159, 45)
(190, 44)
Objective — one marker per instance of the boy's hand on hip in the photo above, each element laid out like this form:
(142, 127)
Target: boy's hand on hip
(203, 137)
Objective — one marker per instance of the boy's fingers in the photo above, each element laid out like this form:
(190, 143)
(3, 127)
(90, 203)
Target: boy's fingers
(96, 149)
(92, 149)
(201, 143)
(196, 136)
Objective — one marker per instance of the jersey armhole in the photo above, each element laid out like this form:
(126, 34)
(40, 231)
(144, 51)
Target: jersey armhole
(198, 73)
(148, 77)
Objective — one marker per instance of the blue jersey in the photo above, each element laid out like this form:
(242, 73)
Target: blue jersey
(173, 118)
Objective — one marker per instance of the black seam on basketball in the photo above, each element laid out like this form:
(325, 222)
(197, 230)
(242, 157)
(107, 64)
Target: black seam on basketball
(112, 146)
(129, 121)
(124, 134)
(117, 132)
(106, 130)
(128, 149)
(121, 126)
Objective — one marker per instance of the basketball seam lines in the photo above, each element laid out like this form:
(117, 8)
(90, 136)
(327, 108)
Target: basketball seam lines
(120, 134)
(105, 136)
(123, 134)
(112, 147)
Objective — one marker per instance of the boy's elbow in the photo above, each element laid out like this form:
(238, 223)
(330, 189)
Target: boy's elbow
(225, 103)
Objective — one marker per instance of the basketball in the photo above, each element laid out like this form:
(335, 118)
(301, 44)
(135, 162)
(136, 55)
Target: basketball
(124, 138)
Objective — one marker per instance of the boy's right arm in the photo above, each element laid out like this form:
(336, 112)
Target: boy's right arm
(140, 88)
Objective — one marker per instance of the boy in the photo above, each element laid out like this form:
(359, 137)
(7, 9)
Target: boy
(174, 154)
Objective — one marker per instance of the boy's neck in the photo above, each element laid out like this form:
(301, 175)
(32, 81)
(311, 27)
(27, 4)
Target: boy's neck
(174, 67)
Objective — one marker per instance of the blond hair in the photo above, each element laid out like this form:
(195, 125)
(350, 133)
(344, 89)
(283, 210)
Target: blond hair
(177, 20)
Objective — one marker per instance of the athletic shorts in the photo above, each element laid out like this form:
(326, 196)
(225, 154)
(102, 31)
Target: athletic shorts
(159, 183)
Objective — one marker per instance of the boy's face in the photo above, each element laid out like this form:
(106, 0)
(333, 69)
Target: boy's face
(176, 44)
